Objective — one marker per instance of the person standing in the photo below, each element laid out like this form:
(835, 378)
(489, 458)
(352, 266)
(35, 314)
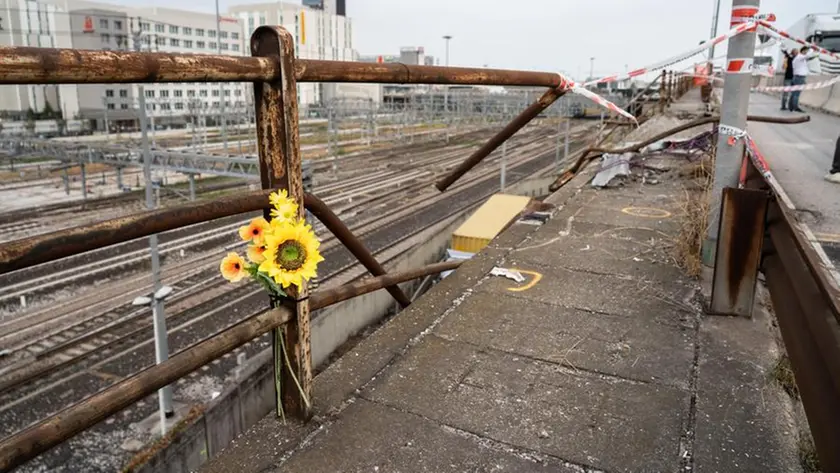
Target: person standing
(788, 74)
(834, 174)
(800, 72)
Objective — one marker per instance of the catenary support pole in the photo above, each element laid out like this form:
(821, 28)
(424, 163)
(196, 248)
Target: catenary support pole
(158, 315)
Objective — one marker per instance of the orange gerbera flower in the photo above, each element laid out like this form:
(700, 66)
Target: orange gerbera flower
(233, 267)
(254, 230)
(255, 253)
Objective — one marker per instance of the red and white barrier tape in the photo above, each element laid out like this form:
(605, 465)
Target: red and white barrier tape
(785, 35)
(740, 28)
(577, 89)
(798, 88)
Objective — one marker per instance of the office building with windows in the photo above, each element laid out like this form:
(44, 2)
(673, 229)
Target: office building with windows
(103, 26)
(320, 28)
(28, 23)
(83, 24)
(321, 31)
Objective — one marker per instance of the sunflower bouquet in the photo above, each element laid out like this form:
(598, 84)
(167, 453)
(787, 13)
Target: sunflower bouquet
(281, 253)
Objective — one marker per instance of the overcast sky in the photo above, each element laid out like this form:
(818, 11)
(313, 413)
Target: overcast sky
(549, 35)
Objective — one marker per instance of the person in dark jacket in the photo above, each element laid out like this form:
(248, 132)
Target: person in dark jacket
(788, 73)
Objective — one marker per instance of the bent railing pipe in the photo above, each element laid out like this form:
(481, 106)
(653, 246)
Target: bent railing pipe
(351, 242)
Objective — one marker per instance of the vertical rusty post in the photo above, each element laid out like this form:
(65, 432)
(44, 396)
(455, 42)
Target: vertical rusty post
(742, 223)
(278, 143)
(662, 86)
(670, 87)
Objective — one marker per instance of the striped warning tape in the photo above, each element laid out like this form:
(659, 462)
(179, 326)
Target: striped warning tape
(740, 28)
(785, 35)
(577, 89)
(798, 88)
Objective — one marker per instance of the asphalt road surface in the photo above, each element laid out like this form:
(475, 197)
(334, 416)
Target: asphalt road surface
(800, 156)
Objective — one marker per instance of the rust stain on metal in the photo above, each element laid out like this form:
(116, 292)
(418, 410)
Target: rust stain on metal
(743, 215)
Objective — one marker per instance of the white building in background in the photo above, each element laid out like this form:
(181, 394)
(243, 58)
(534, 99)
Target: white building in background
(28, 23)
(82, 24)
(321, 31)
(95, 25)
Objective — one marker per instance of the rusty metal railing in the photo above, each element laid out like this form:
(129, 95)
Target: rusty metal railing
(275, 72)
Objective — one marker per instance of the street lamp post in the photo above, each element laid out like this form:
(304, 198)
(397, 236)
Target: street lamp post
(161, 348)
(591, 68)
(159, 320)
(221, 84)
(446, 89)
(715, 16)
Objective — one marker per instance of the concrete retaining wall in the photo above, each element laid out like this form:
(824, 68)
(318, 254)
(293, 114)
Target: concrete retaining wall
(826, 99)
(240, 406)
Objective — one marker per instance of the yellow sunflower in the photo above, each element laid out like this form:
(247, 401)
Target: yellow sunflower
(254, 230)
(291, 253)
(233, 267)
(256, 253)
(284, 207)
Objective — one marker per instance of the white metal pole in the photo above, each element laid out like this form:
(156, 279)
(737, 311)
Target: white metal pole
(159, 318)
(504, 165)
(568, 132)
(733, 114)
(715, 16)
(446, 87)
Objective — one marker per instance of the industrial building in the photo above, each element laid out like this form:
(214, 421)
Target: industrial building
(321, 31)
(320, 27)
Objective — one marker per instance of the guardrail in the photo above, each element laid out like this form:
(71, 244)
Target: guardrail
(275, 72)
(759, 231)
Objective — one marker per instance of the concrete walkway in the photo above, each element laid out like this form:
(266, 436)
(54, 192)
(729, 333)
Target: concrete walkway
(600, 361)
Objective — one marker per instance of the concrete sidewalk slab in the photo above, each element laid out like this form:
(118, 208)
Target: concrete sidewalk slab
(579, 416)
(609, 345)
(371, 437)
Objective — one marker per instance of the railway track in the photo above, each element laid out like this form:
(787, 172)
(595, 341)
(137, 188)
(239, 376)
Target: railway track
(100, 344)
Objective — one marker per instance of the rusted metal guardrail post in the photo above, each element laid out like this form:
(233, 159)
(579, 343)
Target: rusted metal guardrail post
(662, 86)
(278, 143)
(738, 256)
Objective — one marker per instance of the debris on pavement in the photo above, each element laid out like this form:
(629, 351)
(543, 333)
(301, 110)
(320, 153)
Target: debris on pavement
(507, 273)
(612, 166)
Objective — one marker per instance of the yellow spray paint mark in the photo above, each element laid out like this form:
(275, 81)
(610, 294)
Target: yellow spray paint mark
(646, 212)
(534, 280)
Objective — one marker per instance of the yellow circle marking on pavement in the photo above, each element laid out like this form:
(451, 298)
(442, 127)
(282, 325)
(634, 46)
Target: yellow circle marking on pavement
(536, 278)
(646, 212)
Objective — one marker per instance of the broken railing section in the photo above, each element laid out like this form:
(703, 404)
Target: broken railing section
(60, 427)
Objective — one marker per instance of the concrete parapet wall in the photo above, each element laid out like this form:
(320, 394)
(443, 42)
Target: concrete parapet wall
(826, 99)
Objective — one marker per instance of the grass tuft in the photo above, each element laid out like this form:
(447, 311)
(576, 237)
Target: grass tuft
(694, 205)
